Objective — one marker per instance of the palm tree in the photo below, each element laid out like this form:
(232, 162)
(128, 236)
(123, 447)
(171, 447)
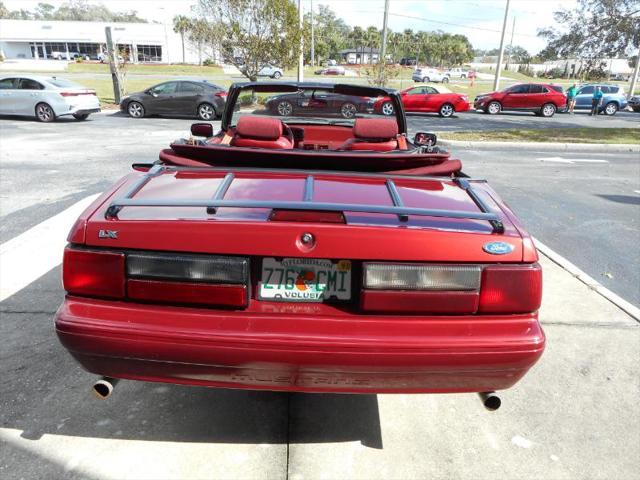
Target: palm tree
(372, 38)
(357, 35)
(181, 25)
(394, 40)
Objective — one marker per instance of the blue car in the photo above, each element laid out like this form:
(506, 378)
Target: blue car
(613, 98)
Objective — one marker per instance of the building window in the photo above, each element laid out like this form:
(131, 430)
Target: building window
(149, 53)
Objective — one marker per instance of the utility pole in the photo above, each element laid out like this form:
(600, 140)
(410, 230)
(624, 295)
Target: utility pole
(496, 81)
(113, 65)
(313, 40)
(301, 55)
(513, 29)
(634, 80)
(383, 49)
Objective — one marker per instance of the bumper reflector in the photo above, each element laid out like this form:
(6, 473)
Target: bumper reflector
(399, 276)
(188, 268)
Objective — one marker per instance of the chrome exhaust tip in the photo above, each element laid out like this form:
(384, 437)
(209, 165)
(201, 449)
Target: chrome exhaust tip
(103, 388)
(490, 400)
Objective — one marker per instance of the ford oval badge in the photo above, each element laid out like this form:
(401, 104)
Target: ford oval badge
(498, 248)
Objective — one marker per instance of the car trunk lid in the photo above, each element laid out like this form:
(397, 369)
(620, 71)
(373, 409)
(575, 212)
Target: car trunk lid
(375, 216)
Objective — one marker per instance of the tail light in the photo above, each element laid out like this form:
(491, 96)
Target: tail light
(160, 278)
(201, 279)
(451, 289)
(93, 273)
(220, 94)
(385, 276)
(511, 289)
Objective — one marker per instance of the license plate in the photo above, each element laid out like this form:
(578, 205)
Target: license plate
(304, 280)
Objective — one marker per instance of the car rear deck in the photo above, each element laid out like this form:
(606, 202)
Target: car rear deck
(143, 302)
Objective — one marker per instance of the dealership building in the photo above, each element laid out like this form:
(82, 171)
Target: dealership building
(142, 42)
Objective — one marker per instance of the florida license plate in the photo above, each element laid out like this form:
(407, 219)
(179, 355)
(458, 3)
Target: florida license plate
(305, 280)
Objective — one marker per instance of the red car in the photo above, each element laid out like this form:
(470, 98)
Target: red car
(426, 98)
(542, 99)
(303, 254)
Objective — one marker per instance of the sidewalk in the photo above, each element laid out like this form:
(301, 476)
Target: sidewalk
(574, 416)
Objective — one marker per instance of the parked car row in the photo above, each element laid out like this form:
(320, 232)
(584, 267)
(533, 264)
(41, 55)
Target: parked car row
(48, 98)
(546, 99)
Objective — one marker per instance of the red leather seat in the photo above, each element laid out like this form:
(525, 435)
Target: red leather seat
(260, 132)
(378, 134)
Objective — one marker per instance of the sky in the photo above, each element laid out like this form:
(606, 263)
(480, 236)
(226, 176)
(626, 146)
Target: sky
(480, 20)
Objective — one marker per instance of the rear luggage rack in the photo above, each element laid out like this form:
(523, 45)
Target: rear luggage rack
(306, 203)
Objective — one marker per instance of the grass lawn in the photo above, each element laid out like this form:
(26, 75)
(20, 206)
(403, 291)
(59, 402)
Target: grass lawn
(148, 69)
(560, 135)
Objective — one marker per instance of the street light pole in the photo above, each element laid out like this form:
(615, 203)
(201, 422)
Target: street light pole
(496, 81)
(634, 80)
(301, 55)
(383, 49)
(313, 40)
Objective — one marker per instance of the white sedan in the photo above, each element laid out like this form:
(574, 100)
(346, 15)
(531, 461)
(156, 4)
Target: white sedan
(427, 75)
(46, 98)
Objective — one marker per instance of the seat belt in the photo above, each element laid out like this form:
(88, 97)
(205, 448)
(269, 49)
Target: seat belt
(402, 141)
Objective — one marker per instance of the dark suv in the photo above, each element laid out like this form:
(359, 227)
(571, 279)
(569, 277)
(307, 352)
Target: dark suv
(542, 99)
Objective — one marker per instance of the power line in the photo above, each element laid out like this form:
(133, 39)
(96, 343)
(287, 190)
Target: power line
(440, 22)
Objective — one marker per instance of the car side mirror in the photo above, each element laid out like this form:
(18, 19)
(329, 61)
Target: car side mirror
(202, 130)
(425, 139)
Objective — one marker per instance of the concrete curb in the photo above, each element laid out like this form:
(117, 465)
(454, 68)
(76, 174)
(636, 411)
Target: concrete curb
(541, 146)
(589, 281)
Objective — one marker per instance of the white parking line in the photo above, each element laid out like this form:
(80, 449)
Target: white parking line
(30, 255)
(588, 280)
(570, 160)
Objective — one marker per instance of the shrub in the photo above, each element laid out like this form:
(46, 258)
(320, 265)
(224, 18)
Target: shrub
(526, 70)
(208, 62)
(554, 73)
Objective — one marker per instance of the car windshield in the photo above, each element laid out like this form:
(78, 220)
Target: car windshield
(62, 83)
(309, 105)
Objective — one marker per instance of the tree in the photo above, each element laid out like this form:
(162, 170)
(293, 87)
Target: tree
(517, 54)
(199, 34)
(592, 31)
(331, 32)
(372, 40)
(76, 10)
(181, 25)
(359, 38)
(44, 11)
(257, 32)
(394, 43)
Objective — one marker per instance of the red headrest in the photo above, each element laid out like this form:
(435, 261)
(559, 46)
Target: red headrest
(262, 128)
(375, 128)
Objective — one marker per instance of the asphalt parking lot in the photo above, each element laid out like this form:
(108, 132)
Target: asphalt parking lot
(574, 416)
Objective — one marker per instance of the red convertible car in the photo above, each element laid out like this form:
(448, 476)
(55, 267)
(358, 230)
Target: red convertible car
(429, 99)
(312, 254)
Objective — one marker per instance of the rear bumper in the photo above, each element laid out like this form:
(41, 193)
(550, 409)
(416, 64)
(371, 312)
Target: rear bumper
(81, 111)
(293, 348)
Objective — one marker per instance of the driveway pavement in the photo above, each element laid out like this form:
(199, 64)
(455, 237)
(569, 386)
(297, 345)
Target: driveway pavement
(575, 415)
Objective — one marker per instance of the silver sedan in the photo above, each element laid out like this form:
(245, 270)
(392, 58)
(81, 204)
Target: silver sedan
(46, 98)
